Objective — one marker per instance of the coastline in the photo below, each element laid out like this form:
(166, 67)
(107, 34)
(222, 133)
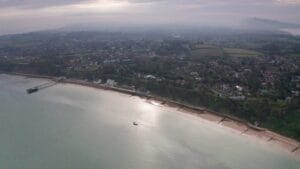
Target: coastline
(238, 125)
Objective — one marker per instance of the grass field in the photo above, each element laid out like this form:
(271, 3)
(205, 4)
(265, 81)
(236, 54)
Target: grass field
(204, 50)
(235, 52)
(207, 51)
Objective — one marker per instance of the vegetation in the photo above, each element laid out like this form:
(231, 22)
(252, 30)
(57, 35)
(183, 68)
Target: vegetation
(251, 75)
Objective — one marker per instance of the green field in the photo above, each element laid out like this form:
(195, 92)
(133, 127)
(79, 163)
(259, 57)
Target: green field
(235, 52)
(206, 51)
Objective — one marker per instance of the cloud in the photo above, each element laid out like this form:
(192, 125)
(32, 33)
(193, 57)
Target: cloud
(50, 3)
(20, 14)
(290, 2)
(37, 3)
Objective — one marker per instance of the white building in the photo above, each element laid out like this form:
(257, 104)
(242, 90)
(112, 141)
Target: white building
(99, 81)
(111, 82)
(150, 77)
(239, 88)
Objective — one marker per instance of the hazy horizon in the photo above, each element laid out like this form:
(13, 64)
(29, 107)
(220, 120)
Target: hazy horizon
(30, 15)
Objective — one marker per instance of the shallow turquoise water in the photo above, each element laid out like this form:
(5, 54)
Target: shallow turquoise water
(75, 127)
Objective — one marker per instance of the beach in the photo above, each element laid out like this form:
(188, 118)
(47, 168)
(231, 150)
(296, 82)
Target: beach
(72, 126)
(237, 126)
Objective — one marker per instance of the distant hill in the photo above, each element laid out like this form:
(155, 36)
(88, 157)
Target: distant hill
(259, 23)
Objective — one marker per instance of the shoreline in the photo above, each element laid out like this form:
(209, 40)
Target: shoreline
(238, 125)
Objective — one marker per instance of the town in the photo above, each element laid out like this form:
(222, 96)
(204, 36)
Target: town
(251, 75)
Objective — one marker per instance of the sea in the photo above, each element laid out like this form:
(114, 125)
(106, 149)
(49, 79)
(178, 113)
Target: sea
(68, 126)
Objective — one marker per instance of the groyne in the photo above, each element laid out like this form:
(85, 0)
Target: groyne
(240, 125)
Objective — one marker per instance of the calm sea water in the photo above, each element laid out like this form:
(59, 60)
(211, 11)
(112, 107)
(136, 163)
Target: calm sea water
(75, 127)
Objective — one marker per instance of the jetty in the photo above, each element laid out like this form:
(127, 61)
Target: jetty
(250, 128)
(44, 86)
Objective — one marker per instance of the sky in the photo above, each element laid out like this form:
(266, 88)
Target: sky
(17, 16)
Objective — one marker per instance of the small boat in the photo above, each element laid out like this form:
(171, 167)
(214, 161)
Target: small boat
(135, 123)
(32, 90)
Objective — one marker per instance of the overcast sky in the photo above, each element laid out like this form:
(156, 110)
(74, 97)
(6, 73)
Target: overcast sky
(28, 15)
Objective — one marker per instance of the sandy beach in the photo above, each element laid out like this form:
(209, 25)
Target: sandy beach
(241, 127)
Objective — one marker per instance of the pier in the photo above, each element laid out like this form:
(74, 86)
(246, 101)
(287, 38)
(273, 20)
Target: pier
(271, 136)
(43, 86)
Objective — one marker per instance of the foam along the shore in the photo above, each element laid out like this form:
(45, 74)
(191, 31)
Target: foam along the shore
(236, 125)
(290, 145)
(266, 136)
